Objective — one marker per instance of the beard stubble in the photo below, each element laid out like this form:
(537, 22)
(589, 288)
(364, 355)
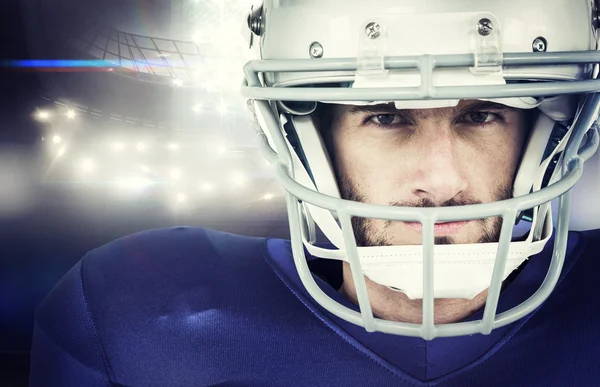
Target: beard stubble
(367, 235)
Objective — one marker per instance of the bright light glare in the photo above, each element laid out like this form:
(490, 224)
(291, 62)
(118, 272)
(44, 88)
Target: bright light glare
(223, 33)
(221, 150)
(222, 108)
(144, 168)
(71, 114)
(88, 165)
(175, 174)
(238, 179)
(220, 35)
(134, 184)
(268, 196)
(43, 115)
(220, 75)
(118, 146)
(56, 139)
(178, 82)
(181, 197)
(173, 146)
(197, 108)
(140, 146)
(206, 187)
(61, 151)
(198, 37)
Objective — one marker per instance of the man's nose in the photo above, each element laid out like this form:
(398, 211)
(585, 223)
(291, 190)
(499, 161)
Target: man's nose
(440, 175)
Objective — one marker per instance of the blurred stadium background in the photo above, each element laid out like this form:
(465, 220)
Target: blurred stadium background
(118, 116)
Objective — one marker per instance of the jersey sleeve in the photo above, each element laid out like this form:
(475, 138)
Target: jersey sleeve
(66, 350)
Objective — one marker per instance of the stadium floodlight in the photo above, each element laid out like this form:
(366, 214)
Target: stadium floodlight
(71, 114)
(56, 139)
(268, 196)
(43, 115)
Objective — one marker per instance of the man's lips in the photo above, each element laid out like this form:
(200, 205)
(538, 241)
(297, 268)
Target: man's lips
(442, 228)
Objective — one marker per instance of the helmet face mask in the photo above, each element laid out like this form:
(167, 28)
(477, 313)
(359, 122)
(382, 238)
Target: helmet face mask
(362, 57)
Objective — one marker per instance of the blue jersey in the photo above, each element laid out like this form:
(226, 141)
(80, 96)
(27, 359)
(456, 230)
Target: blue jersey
(194, 307)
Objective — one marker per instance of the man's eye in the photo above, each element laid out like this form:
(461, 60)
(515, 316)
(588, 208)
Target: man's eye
(386, 119)
(479, 117)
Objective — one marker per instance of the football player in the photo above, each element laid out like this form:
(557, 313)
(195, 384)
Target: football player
(426, 141)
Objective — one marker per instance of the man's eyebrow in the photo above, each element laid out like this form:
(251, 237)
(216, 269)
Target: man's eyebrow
(387, 108)
(421, 113)
(406, 114)
(481, 105)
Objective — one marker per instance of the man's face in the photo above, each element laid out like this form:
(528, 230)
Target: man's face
(427, 158)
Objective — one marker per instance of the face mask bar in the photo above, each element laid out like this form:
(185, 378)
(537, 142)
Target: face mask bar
(253, 89)
(576, 152)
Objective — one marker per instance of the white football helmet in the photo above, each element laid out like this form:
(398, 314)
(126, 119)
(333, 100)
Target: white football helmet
(426, 54)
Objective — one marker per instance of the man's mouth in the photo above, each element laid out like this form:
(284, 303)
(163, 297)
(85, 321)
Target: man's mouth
(441, 228)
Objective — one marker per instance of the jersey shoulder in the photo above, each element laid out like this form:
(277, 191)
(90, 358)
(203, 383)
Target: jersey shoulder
(167, 254)
(131, 291)
(166, 272)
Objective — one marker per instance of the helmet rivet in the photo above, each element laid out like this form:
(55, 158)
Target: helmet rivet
(373, 30)
(539, 45)
(315, 50)
(255, 20)
(485, 27)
